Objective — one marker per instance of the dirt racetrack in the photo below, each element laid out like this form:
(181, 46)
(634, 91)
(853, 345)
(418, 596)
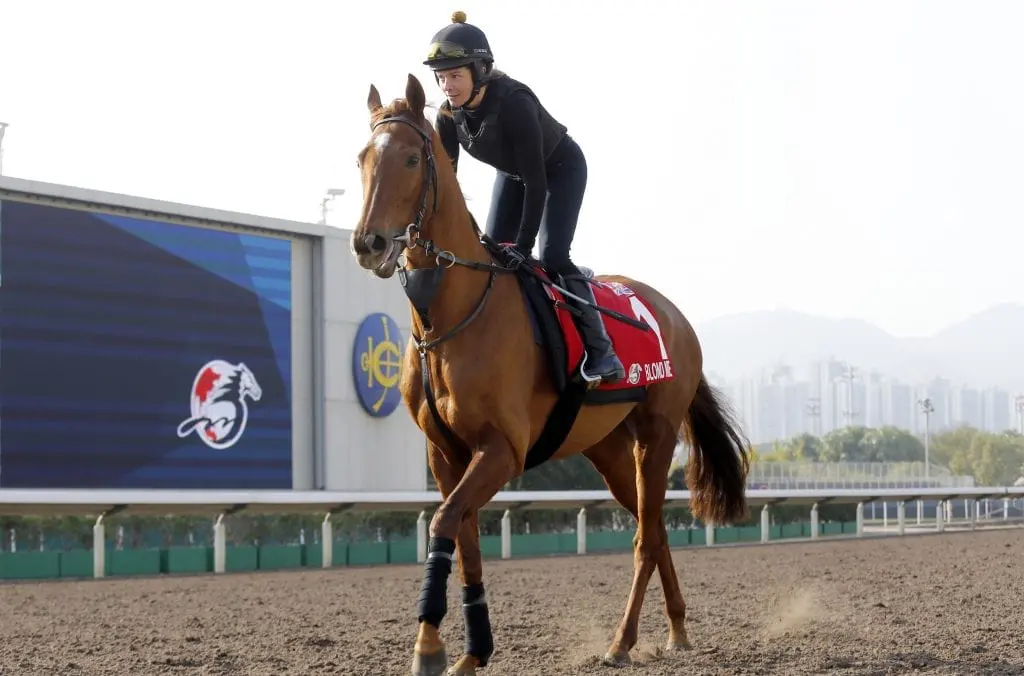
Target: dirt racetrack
(947, 604)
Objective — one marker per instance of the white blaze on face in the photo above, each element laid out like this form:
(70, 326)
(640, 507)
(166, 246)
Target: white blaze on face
(381, 142)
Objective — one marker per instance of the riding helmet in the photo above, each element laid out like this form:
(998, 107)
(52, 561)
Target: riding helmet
(460, 44)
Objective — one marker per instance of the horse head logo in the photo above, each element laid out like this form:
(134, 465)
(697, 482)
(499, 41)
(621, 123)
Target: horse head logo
(218, 403)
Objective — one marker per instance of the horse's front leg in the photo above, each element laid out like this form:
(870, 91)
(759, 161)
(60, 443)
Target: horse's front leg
(491, 467)
(475, 615)
(479, 640)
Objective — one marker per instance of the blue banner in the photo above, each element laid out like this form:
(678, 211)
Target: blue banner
(142, 354)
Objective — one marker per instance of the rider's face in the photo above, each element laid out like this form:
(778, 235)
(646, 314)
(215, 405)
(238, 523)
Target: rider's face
(457, 85)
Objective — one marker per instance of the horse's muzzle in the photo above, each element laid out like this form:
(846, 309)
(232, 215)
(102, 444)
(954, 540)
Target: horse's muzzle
(376, 253)
(370, 244)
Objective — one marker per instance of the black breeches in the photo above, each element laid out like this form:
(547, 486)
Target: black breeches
(567, 183)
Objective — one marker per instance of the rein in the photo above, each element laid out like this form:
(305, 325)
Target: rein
(421, 284)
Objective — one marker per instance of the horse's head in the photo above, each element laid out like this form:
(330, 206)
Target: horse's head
(399, 177)
(247, 383)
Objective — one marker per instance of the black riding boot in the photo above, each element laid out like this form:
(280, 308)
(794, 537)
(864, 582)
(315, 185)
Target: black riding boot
(600, 363)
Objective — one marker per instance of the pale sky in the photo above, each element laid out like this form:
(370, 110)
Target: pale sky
(841, 158)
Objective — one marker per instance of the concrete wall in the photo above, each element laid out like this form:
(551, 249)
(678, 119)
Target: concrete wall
(304, 407)
(362, 452)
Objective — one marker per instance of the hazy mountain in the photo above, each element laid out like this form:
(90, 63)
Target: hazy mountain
(981, 350)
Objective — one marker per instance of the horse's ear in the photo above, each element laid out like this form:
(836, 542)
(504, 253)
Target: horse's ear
(415, 95)
(373, 100)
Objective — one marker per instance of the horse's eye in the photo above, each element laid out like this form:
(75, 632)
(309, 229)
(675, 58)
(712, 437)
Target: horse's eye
(412, 161)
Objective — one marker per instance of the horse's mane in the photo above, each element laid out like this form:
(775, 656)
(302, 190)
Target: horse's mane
(397, 108)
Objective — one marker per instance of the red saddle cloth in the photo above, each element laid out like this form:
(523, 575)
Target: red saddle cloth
(642, 353)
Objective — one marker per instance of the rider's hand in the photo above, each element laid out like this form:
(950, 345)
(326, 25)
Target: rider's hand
(514, 254)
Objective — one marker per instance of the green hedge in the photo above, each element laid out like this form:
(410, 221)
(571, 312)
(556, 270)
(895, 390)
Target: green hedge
(184, 560)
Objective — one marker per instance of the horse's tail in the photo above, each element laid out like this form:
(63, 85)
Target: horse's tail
(716, 472)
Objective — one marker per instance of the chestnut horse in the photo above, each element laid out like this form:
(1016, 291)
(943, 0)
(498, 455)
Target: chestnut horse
(473, 363)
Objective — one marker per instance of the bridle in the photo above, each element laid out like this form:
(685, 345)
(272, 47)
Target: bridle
(421, 284)
(409, 238)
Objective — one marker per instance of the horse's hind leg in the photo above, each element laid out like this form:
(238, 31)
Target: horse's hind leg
(656, 446)
(643, 496)
(617, 462)
(675, 607)
(613, 459)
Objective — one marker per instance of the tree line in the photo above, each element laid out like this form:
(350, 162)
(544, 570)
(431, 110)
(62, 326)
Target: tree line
(992, 458)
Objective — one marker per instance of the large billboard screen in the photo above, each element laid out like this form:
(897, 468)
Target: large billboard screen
(137, 353)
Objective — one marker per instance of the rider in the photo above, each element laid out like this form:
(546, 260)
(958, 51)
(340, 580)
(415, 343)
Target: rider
(541, 170)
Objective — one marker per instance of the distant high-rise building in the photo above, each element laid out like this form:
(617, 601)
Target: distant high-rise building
(899, 405)
(796, 397)
(825, 387)
(774, 404)
(940, 391)
(746, 408)
(996, 406)
(966, 408)
(771, 413)
(874, 401)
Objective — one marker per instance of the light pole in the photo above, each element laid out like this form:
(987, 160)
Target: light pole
(814, 413)
(3, 128)
(849, 376)
(927, 409)
(330, 195)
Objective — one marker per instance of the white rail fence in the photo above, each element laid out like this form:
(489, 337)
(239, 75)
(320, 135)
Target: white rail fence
(105, 503)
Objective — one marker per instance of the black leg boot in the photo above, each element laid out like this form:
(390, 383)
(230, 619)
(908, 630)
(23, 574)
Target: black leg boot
(600, 363)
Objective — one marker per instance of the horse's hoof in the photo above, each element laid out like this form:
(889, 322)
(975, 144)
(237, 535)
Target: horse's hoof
(616, 659)
(678, 645)
(429, 665)
(464, 667)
